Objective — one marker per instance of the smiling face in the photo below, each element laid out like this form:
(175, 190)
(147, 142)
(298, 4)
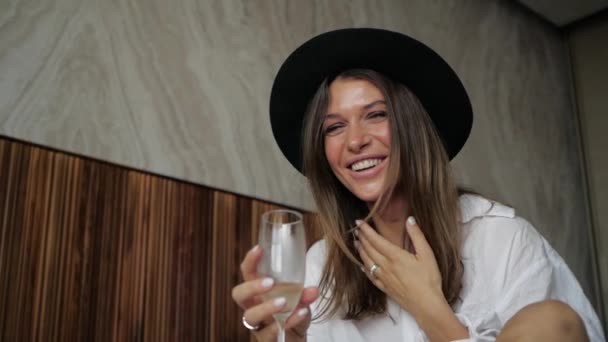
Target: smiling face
(357, 136)
(345, 123)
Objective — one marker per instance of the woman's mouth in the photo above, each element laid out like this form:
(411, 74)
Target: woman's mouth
(365, 164)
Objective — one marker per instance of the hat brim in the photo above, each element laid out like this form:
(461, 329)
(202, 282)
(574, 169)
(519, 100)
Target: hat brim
(395, 55)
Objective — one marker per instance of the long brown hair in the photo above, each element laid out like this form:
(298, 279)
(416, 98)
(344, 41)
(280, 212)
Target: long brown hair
(418, 167)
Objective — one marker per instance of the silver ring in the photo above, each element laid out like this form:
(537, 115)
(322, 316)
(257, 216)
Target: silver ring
(373, 270)
(249, 326)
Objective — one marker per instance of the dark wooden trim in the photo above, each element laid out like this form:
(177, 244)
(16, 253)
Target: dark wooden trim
(94, 251)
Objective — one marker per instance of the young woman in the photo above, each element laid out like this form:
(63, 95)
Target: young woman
(372, 118)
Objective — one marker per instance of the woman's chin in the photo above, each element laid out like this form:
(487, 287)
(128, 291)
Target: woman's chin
(368, 191)
(368, 197)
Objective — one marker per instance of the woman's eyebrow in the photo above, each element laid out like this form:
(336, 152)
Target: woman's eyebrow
(371, 104)
(365, 107)
(331, 116)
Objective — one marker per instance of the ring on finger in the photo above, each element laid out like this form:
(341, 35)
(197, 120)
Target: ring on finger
(249, 326)
(373, 270)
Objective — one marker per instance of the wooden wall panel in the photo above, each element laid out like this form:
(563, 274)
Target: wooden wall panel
(94, 252)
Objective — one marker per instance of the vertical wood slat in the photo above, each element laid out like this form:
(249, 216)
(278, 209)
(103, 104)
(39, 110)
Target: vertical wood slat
(96, 252)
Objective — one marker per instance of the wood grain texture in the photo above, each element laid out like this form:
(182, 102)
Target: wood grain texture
(95, 252)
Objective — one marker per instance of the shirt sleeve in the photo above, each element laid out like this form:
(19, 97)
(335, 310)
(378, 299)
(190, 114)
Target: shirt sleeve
(315, 262)
(510, 265)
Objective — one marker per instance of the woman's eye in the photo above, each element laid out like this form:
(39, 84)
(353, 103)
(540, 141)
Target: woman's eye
(379, 114)
(332, 129)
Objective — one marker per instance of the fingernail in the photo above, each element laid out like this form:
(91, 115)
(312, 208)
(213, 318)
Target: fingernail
(302, 312)
(279, 302)
(357, 244)
(267, 282)
(362, 269)
(358, 222)
(411, 221)
(255, 248)
(357, 232)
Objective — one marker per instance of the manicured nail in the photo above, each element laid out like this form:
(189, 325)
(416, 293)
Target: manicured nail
(357, 232)
(411, 221)
(267, 283)
(302, 312)
(279, 302)
(357, 244)
(358, 222)
(255, 248)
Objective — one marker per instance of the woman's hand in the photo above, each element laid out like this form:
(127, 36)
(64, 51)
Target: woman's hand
(259, 313)
(412, 280)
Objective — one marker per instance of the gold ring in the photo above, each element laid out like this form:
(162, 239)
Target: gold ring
(249, 326)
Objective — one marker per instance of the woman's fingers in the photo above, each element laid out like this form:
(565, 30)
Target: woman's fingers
(259, 314)
(245, 293)
(371, 254)
(250, 263)
(309, 295)
(299, 321)
(295, 327)
(368, 263)
(421, 246)
(381, 245)
(267, 333)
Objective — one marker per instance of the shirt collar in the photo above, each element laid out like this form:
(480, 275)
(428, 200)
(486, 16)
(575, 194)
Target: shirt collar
(474, 206)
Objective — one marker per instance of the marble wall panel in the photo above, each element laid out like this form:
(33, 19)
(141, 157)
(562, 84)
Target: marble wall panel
(180, 88)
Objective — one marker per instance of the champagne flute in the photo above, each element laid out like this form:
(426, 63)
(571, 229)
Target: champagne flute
(283, 240)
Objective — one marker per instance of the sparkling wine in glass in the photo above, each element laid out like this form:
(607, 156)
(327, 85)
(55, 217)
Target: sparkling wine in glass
(283, 240)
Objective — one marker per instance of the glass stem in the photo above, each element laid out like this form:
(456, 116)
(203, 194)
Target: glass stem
(281, 334)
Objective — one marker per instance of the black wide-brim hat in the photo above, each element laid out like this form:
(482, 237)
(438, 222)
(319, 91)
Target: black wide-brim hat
(395, 55)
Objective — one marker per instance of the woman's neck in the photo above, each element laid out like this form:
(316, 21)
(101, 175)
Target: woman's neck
(390, 222)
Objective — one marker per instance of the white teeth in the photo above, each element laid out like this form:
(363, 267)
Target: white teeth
(365, 164)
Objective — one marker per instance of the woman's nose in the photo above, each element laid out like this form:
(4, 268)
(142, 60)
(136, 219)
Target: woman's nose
(358, 138)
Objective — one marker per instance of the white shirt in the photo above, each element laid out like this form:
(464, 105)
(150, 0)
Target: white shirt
(507, 265)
